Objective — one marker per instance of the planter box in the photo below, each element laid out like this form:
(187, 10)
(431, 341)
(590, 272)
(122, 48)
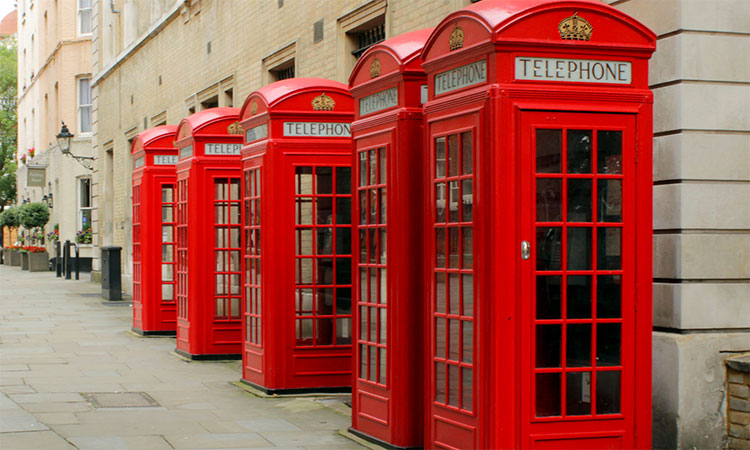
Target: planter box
(24, 260)
(14, 257)
(39, 262)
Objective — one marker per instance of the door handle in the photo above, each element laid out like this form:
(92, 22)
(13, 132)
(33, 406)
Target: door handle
(525, 250)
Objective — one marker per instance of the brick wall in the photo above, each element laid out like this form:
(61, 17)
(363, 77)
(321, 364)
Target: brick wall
(738, 402)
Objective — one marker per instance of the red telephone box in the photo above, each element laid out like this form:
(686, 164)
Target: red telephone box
(297, 207)
(539, 129)
(154, 178)
(209, 285)
(387, 84)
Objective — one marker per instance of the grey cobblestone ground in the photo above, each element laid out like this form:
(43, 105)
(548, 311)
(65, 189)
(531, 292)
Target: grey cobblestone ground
(58, 339)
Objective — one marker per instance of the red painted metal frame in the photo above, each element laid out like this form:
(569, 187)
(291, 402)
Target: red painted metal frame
(152, 314)
(497, 31)
(389, 407)
(203, 331)
(278, 355)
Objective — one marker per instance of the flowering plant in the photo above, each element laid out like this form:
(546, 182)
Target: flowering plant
(33, 249)
(84, 236)
(13, 247)
(53, 235)
(31, 152)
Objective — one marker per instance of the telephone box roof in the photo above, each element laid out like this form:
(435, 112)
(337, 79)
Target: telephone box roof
(202, 121)
(152, 136)
(275, 93)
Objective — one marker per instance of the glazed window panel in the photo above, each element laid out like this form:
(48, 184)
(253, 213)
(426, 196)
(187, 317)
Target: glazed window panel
(453, 289)
(226, 206)
(170, 252)
(181, 226)
(251, 253)
(322, 264)
(137, 296)
(373, 248)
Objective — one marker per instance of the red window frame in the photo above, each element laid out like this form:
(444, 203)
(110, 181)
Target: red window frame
(227, 226)
(252, 310)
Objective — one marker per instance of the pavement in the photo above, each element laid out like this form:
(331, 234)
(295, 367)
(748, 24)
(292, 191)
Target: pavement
(73, 375)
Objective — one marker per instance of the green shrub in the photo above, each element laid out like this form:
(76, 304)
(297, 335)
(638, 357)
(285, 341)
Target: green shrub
(33, 215)
(9, 218)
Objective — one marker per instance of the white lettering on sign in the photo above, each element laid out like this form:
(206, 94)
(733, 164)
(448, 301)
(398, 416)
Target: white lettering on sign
(378, 101)
(139, 162)
(255, 133)
(317, 129)
(573, 70)
(165, 160)
(223, 149)
(423, 94)
(186, 152)
(461, 77)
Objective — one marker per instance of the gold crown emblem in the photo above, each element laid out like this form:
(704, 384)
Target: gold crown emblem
(575, 28)
(456, 39)
(235, 128)
(253, 107)
(375, 68)
(323, 103)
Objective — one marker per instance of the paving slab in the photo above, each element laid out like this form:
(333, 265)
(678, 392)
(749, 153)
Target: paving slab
(46, 440)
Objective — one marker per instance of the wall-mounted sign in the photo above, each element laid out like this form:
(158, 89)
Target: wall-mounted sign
(573, 70)
(317, 129)
(186, 152)
(139, 162)
(255, 133)
(378, 101)
(36, 177)
(461, 77)
(223, 149)
(165, 160)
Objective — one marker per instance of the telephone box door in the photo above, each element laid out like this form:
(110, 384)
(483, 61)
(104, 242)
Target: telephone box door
(578, 280)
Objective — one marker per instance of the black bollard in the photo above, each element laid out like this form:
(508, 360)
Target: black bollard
(111, 280)
(58, 259)
(66, 259)
(77, 263)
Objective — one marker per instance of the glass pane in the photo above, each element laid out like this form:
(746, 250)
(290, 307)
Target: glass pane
(383, 326)
(578, 352)
(343, 180)
(466, 153)
(610, 200)
(383, 246)
(383, 299)
(609, 152)
(382, 365)
(608, 243)
(383, 170)
(373, 285)
(453, 247)
(440, 382)
(579, 200)
(325, 241)
(304, 271)
(440, 324)
(363, 285)
(548, 253)
(467, 197)
(453, 339)
(454, 302)
(579, 151)
(167, 194)
(363, 361)
(440, 247)
(221, 286)
(234, 213)
(382, 201)
(167, 233)
(221, 260)
(467, 391)
(305, 331)
(167, 253)
(234, 237)
(467, 261)
(324, 180)
(467, 345)
(579, 248)
(454, 386)
(373, 364)
(221, 310)
(548, 299)
(220, 240)
(167, 272)
(440, 202)
(548, 394)
(363, 169)
(167, 214)
(468, 294)
(548, 342)
(343, 210)
(440, 292)
(373, 245)
(304, 241)
(343, 240)
(220, 189)
(453, 201)
(304, 214)
(303, 181)
(167, 292)
(608, 296)
(234, 189)
(343, 271)
(548, 199)
(234, 308)
(578, 394)
(373, 214)
(324, 332)
(373, 176)
(324, 304)
(548, 151)
(325, 210)
(607, 392)
(453, 155)
(579, 297)
(363, 324)
(362, 207)
(440, 157)
(305, 299)
(608, 344)
(325, 271)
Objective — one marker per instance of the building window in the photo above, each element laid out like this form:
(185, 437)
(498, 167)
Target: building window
(367, 38)
(358, 30)
(283, 73)
(84, 105)
(84, 203)
(280, 65)
(84, 16)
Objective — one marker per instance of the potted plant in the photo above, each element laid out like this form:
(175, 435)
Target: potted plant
(34, 216)
(9, 218)
(84, 236)
(37, 258)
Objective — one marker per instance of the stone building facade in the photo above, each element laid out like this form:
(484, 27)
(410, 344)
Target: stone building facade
(157, 61)
(54, 86)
